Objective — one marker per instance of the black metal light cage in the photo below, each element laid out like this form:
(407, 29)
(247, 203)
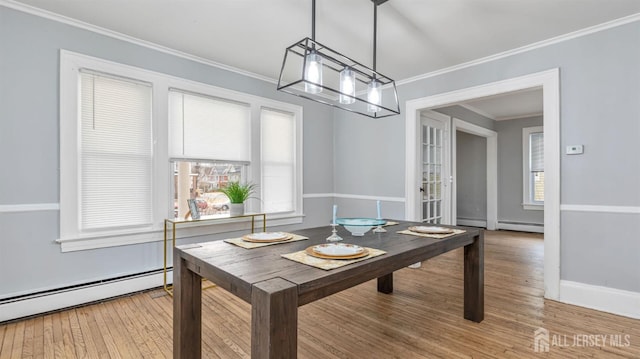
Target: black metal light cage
(327, 89)
(292, 80)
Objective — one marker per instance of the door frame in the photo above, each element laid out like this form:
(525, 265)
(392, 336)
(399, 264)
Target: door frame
(549, 81)
(492, 169)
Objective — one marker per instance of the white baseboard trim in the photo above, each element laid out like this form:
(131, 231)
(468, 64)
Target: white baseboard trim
(471, 222)
(520, 227)
(610, 300)
(72, 297)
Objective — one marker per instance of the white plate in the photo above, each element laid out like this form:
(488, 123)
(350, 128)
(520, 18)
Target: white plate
(430, 230)
(266, 236)
(338, 249)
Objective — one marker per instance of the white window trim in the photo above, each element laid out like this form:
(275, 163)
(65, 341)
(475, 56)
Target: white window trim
(297, 154)
(527, 203)
(70, 237)
(70, 64)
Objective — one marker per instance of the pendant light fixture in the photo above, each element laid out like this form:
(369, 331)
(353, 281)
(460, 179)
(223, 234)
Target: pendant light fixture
(315, 72)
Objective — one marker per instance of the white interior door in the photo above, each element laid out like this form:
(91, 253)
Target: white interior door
(435, 185)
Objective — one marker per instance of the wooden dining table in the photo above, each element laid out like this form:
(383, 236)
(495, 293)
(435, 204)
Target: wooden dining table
(275, 287)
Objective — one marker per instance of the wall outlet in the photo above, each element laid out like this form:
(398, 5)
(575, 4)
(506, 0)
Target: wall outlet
(575, 150)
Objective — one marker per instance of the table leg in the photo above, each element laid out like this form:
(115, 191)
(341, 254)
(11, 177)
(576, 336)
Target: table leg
(187, 309)
(274, 319)
(385, 283)
(474, 279)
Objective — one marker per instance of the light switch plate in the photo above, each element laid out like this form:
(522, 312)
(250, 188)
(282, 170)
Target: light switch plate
(575, 149)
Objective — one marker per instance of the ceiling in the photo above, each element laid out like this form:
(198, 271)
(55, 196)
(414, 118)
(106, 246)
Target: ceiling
(508, 106)
(414, 36)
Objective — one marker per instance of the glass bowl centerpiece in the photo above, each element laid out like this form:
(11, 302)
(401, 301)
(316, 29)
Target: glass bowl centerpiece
(359, 226)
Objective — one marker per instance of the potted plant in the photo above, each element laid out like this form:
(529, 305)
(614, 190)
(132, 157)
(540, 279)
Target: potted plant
(237, 194)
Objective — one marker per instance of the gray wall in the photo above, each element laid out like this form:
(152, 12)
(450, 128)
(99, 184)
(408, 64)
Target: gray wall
(467, 115)
(471, 176)
(599, 108)
(600, 83)
(510, 172)
(30, 261)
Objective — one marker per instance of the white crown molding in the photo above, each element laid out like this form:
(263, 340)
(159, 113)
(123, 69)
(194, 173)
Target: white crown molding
(73, 22)
(527, 115)
(519, 50)
(114, 34)
(478, 111)
(32, 207)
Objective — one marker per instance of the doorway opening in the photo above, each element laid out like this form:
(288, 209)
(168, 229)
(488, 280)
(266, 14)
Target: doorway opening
(549, 82)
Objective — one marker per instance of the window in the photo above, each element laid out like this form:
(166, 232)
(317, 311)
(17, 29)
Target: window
(210, 143)
(278, 160)
(136, 144)
(115, 153)
(533, 165)
(208, 127)
(202, 181)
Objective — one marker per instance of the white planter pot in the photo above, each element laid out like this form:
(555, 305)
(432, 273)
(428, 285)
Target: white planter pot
(236, 209)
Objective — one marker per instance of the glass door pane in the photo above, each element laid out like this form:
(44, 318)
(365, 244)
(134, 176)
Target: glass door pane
(432, 159)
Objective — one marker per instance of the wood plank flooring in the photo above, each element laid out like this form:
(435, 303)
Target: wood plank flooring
(421, 319)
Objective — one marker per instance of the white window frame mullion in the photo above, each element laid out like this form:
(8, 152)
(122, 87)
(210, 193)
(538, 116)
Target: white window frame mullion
(161, 164)
(254, 173)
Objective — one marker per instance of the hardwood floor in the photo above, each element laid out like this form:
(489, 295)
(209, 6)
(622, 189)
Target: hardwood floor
(421, 319)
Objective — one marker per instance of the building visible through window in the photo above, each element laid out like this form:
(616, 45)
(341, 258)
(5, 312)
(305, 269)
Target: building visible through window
(202, 181)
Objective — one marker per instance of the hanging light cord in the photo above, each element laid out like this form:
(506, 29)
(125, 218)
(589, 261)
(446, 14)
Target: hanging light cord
(375, 33)
(313, 20)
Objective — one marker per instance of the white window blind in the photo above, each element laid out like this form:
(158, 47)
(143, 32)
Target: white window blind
(537, 152)
(533, 167)
(278, 160)
(205, 127)
(115, 153)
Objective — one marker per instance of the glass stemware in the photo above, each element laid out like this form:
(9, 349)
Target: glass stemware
(334, 237)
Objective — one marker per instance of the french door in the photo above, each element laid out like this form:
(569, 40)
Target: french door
(435, 186)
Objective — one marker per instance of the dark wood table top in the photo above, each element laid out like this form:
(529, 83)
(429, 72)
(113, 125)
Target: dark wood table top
(236, 269)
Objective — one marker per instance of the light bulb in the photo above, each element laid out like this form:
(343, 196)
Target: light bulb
(347, 86)
(374, 96)
(313, 73)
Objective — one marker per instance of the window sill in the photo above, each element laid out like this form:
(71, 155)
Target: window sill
(533, 207)
(186, 230)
